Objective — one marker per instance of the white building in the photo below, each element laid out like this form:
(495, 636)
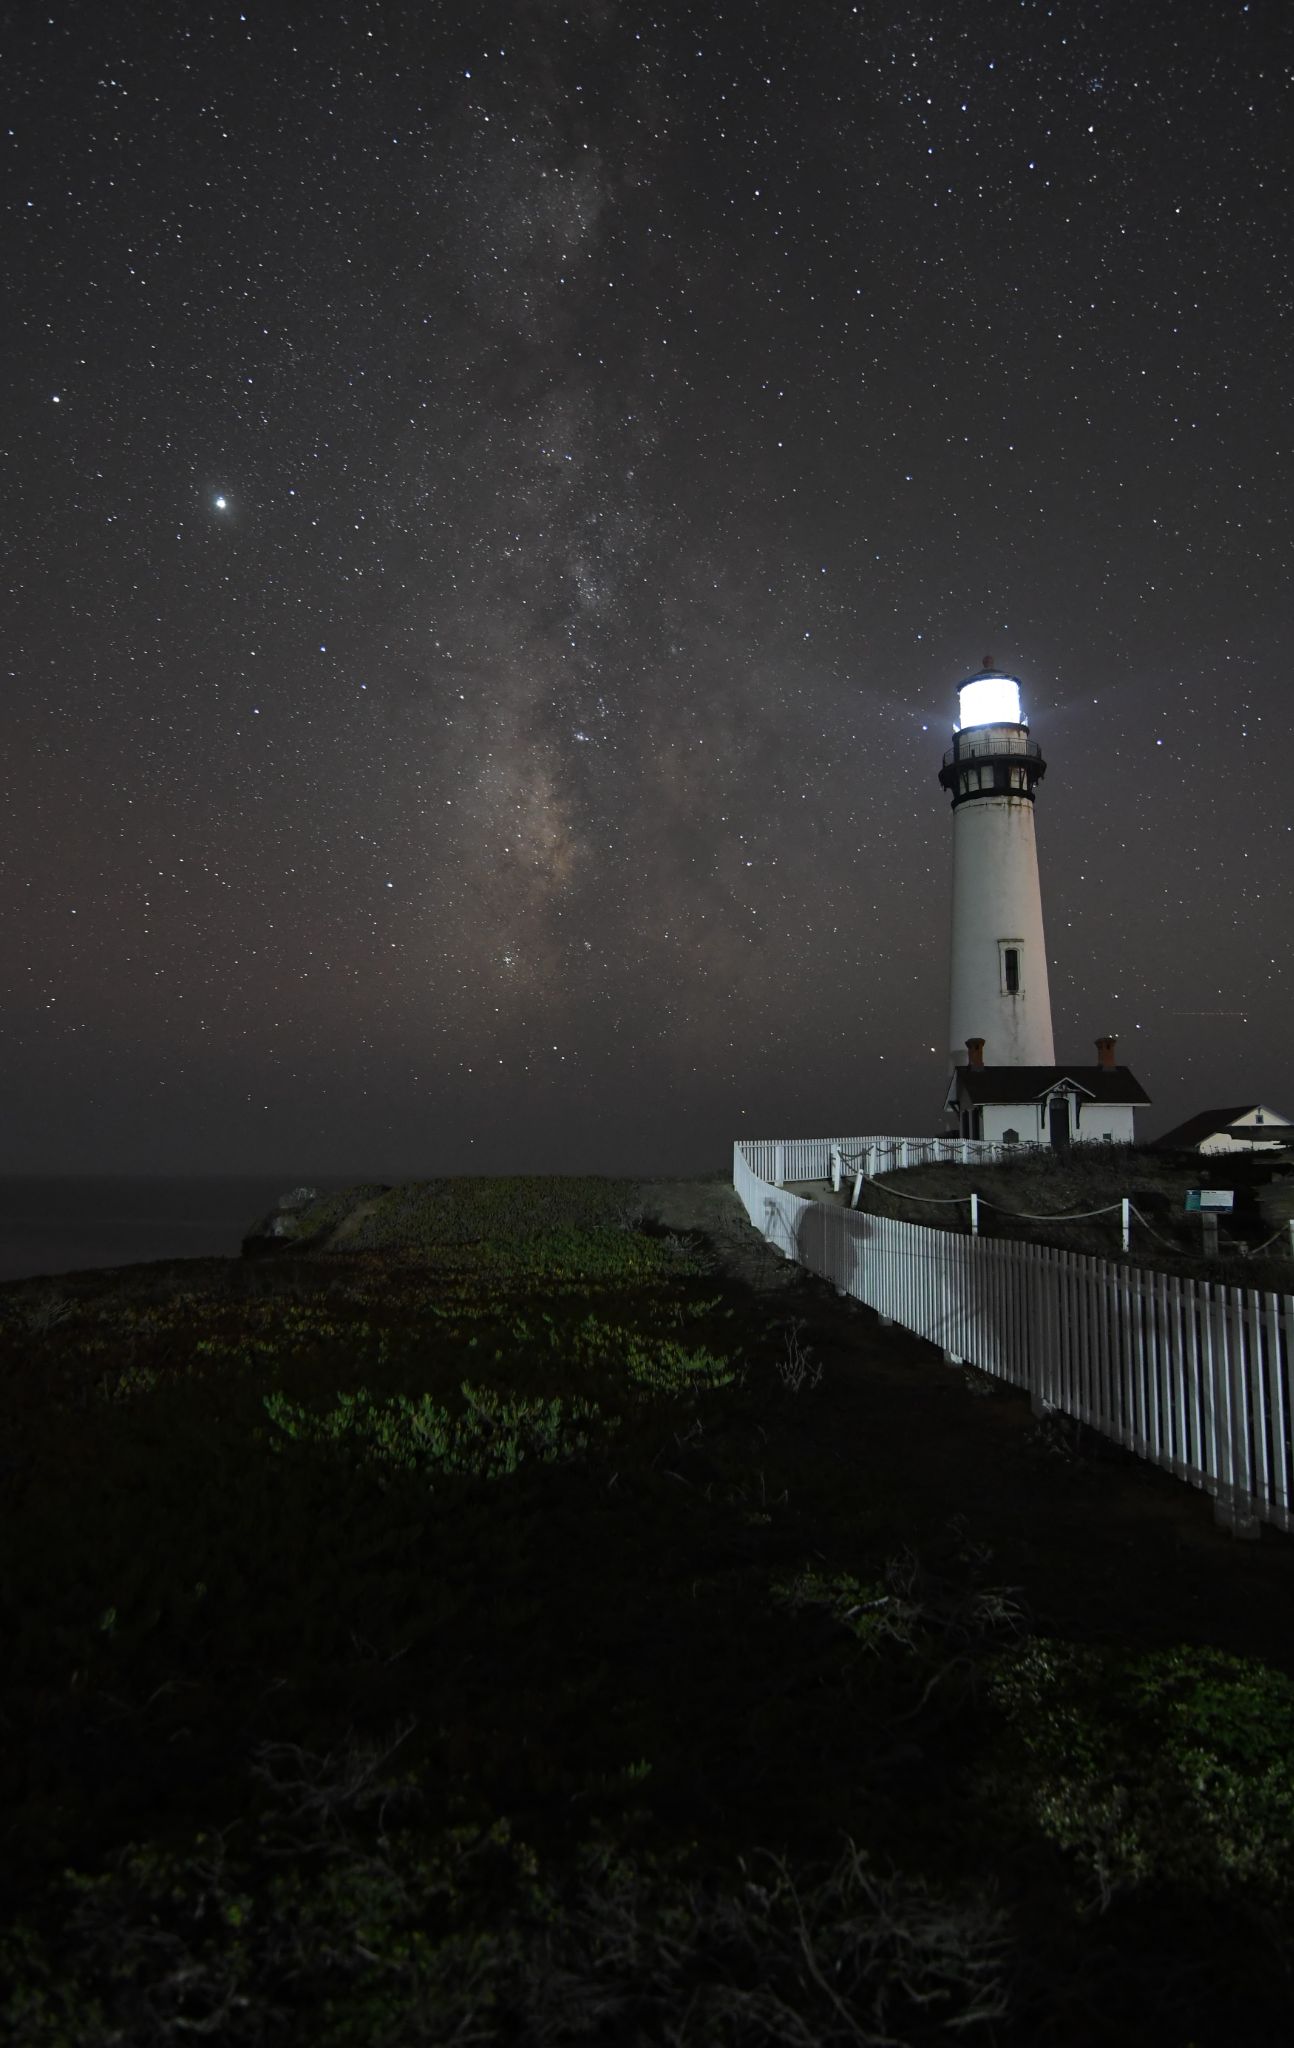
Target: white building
(999, 990)
(1046, 1105)
(1250, 1128)
(999, 994)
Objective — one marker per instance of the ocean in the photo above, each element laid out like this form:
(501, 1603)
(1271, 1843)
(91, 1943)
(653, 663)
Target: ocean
(66, 1225)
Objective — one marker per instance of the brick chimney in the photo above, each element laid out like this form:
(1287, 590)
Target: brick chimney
(1105, 1051)
(975, 1051)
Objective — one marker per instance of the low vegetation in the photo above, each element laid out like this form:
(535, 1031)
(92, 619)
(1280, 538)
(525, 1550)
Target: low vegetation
(462, 1627)
(1047, 1197)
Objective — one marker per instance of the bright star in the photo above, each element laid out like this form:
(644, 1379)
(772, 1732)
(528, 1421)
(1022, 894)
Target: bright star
(222, 504)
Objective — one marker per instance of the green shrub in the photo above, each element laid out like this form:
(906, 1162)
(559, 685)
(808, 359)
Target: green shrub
(323, 1929)
(865, 1607)
(492, 1437)
(1166, 1767)
(910, 1606)
(655, 1365)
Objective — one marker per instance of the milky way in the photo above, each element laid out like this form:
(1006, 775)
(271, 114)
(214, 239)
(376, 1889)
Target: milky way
(498, 503)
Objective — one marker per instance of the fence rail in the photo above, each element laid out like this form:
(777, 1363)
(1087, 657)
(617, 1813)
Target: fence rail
(800, 1159)
(1192, 1375)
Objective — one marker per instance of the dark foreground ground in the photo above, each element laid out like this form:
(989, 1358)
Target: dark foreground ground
(955, 1432)
(552, 1619)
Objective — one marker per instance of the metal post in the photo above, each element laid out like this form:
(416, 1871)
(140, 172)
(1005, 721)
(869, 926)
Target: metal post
(1127, 1224)
(1292, 1237)
(974, 1209)
(1209, 1223)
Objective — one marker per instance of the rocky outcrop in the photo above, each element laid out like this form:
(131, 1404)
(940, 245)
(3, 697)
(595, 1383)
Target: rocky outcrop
(305, 1220)
(420, 1219)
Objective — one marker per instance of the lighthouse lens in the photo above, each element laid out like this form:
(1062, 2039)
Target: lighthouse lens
(989, 700)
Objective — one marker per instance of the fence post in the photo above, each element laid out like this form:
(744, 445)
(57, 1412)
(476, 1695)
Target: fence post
(779, 1163)
(903, 1151)
(858, 1188)
(1292, 1237)
(1037, 1339)
(974, 1209)
(835, 1169)
(1127, 1224)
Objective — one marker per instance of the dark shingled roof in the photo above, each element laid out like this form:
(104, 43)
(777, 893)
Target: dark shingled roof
(1183, 1137)
(1029, 1084)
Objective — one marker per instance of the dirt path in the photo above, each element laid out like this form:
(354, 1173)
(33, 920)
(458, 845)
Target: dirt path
(713, 1206)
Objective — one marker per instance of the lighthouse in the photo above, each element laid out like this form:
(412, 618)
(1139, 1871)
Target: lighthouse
(999, 993)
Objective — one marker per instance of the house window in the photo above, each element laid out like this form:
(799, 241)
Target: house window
(1010, 968)
(1010, 1137)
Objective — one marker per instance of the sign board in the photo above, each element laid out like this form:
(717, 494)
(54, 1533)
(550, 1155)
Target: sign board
(1209, 1198)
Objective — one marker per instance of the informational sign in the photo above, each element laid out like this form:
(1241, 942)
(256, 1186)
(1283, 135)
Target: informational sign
(1199, 1199)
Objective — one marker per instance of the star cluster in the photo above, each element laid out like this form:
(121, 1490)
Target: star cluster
(499, 500)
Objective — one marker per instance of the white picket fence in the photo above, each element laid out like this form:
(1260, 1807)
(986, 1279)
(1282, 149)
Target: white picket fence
(799, 1159)
(1192, 1375)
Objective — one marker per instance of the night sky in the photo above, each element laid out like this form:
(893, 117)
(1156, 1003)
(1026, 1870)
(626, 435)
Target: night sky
(498, 501)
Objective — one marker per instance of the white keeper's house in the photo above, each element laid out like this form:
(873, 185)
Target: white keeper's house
(1251, 1127)
(1046, 1105)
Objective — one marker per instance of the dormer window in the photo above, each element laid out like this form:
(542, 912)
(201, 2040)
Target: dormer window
(1009, 956)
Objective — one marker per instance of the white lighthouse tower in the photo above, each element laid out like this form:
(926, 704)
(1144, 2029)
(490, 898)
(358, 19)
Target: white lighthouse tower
(999, 962)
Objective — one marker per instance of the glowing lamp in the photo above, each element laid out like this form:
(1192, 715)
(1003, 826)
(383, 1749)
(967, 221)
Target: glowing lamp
(988, 700)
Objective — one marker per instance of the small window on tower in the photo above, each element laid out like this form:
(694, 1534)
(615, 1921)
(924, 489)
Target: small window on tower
(1011, 970)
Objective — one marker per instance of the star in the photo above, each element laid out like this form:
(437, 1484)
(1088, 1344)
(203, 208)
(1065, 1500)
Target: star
(541, 528)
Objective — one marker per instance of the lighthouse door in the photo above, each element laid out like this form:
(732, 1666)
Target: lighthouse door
(1058, 1121)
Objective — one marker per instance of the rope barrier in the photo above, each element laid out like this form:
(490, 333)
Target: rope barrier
(1025, 1215)
(1255, 1249)
(1041, 1215)
(1180, 1250)
(1156, 1234)
(1047, 1215)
